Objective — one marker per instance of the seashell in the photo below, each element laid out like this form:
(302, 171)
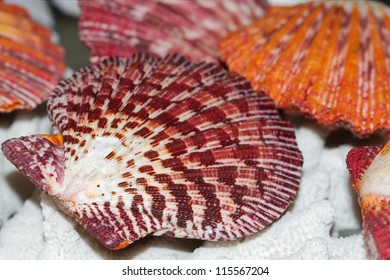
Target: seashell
(369, 170)
(30, 65)
(163, 147)
(329, 60)
(191, 28)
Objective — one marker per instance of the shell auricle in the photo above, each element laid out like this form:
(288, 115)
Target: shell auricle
(191, 28)
(30, 65)
(327, 59)
(162, 146)
(369, 168)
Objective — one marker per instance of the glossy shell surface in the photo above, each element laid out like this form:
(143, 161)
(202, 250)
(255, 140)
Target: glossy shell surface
(163, 146)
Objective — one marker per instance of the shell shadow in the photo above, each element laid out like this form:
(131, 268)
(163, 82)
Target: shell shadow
(20, 184)
(6, 120)
(343, 136)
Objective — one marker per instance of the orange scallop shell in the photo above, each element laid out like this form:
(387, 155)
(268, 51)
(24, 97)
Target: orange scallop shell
(30, 65)
(329, 60)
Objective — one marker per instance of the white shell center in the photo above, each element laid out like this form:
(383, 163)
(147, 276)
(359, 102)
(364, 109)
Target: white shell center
(376, 180)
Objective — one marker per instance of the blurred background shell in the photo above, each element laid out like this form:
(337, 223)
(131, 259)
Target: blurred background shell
(327, 59)
(30, 64)
(191, 28)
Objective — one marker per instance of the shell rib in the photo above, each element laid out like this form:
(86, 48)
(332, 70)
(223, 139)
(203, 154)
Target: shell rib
(191, 28)
(166, 147)
(30, 65)
(329, 60)
(370, 175)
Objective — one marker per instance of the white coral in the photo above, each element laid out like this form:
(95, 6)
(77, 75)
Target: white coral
(21, 237)
(300, 235)
(341, 194)
(311, 141)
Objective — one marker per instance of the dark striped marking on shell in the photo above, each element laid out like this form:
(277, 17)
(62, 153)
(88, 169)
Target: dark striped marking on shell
(166, 147)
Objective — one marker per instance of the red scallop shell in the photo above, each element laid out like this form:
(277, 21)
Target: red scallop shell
(191, 28)
(327, 59)
(30, 65)
(163, 147)
(369, 169)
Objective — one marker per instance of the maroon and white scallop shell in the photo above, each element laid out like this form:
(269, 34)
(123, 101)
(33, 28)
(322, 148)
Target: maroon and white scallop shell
(163, 147)
(191, 28)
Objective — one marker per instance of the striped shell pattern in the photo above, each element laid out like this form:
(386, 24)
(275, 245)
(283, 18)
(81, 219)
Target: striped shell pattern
(162, 147)
(30, 65)
(191, 28)
(327, 59)
(370, 175)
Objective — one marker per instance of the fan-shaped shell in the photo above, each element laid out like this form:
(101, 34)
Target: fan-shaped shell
(30, 65)
(191, 28)
(370, 175)
(329, 60)
(166, 147)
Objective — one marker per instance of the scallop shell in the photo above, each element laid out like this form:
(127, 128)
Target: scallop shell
(191, 28)
(370, 168)
(30, 65)
(329, 60)
(163, 146)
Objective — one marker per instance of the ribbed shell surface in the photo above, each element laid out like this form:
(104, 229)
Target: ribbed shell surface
(369, 168)
(163, 146)
(327, 59)
(30, 65)
(191, 28)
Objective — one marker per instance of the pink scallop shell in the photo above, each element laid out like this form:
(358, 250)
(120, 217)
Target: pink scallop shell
(191, 28)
